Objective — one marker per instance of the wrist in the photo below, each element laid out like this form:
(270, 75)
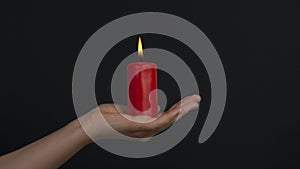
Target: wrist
(81, 136)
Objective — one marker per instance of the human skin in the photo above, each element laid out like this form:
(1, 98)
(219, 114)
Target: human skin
(53, 150)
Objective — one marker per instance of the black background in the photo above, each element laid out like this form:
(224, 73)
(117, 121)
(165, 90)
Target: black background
(257, 43)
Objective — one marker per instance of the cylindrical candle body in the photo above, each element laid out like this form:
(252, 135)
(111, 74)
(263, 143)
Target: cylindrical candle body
(142, 85)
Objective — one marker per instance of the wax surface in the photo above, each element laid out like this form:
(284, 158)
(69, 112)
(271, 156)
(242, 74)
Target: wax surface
(142, 80)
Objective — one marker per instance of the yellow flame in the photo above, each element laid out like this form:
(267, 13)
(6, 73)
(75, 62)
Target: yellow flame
(140, 47)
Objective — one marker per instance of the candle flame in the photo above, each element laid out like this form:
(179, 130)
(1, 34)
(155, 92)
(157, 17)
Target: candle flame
(140, 47)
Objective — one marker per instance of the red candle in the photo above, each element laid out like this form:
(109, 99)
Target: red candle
(142, 80)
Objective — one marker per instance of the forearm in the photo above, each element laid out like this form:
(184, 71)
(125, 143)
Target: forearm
(50, 151)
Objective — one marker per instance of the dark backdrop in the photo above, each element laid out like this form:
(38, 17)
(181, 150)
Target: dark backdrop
(258, 45)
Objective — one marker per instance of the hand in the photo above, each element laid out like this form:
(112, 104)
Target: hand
(53, 150)
(141, 127)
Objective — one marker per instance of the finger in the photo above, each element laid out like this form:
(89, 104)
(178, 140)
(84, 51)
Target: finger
(166, 119)
(187, 108)
(194, 98)
(186, 100)
(197, 97)
(180, 102)
(189, 105)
